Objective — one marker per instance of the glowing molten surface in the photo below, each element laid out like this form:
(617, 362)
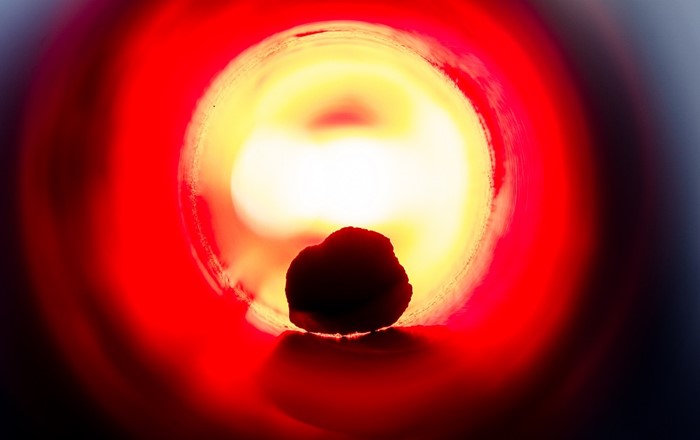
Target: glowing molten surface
(307, 133)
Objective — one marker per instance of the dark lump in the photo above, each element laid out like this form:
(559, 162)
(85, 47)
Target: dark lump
(350, 283)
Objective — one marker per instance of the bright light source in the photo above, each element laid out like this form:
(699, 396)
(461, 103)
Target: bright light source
(301, 136)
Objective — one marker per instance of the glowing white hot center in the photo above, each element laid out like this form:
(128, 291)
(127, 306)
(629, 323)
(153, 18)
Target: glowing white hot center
(284, 184)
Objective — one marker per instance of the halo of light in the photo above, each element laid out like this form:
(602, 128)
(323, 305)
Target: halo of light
(328, 125)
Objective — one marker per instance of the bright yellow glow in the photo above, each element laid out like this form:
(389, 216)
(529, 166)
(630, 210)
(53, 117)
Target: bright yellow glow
(299, 137)
(345, 181)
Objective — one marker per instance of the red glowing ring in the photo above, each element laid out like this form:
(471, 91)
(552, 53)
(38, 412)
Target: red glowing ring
(114, 262)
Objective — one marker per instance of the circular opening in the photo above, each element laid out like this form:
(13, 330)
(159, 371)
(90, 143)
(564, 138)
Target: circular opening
(331, 125)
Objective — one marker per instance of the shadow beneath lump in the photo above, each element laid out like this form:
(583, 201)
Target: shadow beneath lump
(391, 383)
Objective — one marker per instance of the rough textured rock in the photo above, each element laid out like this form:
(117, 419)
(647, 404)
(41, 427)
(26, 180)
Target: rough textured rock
(351, 282)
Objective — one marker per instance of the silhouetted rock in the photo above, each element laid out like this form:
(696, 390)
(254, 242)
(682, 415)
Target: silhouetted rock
(351, 282)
